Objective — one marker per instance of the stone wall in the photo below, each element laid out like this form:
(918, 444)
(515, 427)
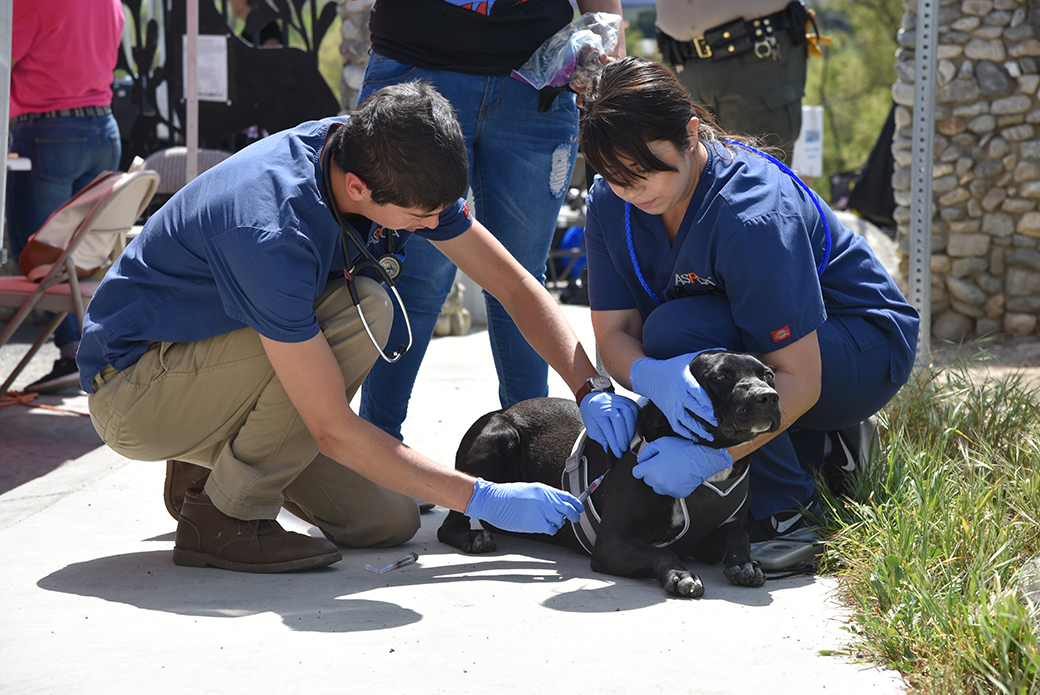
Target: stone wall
(356, 42)
(986, 177)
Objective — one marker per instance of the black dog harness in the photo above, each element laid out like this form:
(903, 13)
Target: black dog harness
(714, 503)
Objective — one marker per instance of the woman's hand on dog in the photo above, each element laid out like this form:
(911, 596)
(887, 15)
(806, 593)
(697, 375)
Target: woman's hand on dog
(610, 419)
(672, 388)
(523, 507)
(675, 467)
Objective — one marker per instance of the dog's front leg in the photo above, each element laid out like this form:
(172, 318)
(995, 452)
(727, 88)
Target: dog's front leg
(740, 569)
(624, 555)
(456, 532)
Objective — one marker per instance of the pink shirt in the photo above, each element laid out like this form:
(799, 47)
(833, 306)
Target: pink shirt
(64, 53)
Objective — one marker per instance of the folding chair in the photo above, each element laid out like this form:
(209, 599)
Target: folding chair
(120, 200)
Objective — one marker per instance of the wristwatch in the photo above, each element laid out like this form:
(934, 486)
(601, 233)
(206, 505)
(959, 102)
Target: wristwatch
(594, 383)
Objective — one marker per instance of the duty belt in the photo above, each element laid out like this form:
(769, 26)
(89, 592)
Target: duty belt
(79, 112)
(737, 37)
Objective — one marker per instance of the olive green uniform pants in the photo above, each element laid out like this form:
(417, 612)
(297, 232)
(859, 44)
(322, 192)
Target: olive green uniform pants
(753, 96)
(218, 403)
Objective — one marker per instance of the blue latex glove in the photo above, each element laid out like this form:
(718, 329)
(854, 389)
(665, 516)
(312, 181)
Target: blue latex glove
(610, 419)
(672, 388)
(675, 466)
(523, 507)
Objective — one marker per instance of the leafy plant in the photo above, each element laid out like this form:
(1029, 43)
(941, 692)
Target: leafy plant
(853, 79)
(938, 540)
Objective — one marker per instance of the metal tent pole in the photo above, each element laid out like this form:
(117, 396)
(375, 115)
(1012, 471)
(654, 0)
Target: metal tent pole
(191, 93)
(6, 25)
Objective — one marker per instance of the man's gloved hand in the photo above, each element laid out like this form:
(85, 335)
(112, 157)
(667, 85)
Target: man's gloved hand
(672, 388)
(675, 466)
(610, 419)
(522, 507)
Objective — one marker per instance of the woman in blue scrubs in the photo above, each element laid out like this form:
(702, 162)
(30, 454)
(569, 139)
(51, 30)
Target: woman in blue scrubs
(696, 240)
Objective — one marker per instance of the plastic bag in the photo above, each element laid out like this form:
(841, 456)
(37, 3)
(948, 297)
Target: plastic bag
(571, 55)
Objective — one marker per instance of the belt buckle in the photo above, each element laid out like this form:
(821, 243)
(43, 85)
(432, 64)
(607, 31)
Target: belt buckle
(702, 48)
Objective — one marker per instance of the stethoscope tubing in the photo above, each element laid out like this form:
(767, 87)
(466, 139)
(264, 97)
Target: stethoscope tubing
(368, 260)
(783, 167)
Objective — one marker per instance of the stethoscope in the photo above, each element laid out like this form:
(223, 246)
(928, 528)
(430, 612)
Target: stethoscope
(783, 167)
(387, 267)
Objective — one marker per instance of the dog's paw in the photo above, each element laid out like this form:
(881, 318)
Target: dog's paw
(746, 574)
(480, 542)
(683, 583)
(457, 533)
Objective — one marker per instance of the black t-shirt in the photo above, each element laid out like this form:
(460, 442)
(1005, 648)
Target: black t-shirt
(436, 35)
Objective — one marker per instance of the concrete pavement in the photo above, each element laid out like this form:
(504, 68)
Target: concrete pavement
(91, 602)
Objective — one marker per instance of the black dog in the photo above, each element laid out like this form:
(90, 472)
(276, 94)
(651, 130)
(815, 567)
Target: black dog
(640, 533)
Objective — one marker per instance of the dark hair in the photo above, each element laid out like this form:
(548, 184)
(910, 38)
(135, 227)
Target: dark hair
(405, 143)
(633, 102)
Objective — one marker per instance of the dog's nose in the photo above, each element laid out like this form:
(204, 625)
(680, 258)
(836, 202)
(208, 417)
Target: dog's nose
(769, 397)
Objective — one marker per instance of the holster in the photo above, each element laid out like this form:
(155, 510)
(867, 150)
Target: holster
(797, 18)
(725, 41)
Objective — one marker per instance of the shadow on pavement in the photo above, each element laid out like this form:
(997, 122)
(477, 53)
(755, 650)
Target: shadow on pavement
(322, 601)
(34, 441)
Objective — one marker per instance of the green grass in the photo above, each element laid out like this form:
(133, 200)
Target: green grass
(330, 60)
(853, 80)
(931, 543)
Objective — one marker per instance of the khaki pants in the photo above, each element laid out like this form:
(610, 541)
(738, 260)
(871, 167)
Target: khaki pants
(218, 403)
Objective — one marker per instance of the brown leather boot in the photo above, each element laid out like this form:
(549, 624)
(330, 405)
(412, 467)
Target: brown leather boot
(207, 536)
(181, 476)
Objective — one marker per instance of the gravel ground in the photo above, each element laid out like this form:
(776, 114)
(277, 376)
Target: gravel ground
(1000, 355)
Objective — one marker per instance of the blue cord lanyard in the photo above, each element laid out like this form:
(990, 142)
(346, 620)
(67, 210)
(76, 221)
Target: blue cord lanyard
(783, 168)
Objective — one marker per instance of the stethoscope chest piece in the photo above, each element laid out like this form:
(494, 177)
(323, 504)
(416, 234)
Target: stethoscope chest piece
(392, 265)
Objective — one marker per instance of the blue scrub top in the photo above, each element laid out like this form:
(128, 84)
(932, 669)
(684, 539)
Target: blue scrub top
(251, 242)
(754, 236)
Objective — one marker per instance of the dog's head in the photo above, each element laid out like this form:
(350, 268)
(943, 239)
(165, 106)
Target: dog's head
(741, 389)
(742, 394)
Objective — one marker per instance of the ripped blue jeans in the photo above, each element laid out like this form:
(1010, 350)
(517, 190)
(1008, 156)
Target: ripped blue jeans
(520, 167)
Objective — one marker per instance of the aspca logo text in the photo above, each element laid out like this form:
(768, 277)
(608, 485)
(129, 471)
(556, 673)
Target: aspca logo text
(691, 279)
(378, 233)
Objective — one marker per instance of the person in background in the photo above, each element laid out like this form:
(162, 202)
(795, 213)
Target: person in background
(696, 240)
(64, 55)
(261, 29)
(745, 61)
(261, 26)
(520, 165)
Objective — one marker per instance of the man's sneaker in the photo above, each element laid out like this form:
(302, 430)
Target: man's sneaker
(65, 375)
(790, 525)
(851, 451)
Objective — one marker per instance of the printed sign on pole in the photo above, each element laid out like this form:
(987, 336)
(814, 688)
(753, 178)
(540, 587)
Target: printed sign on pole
(808, 148)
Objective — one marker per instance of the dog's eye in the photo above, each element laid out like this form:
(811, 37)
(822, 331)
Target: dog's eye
(768, 377)
(721, 377)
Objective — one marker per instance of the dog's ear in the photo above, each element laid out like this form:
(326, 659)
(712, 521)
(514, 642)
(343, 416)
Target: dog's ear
(704, 367)
(652, 424)
(701, 364)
